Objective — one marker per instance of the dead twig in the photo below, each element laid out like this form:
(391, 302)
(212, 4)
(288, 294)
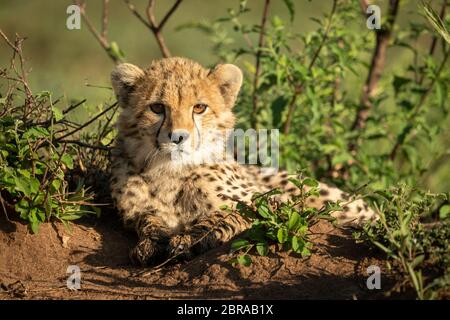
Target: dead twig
(87, 123)
(102, 36)
(21, 74)
(151, 23)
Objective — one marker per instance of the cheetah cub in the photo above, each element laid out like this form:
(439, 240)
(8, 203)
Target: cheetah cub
(173, 202)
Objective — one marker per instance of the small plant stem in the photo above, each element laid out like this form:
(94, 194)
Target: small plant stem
(299, 88)
(88, 122)
(419, 105)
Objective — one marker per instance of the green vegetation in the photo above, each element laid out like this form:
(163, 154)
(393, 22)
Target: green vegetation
(414, 234)
(283, 223)
(354, 107)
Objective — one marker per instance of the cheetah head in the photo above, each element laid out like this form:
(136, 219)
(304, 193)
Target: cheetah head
(175, 112)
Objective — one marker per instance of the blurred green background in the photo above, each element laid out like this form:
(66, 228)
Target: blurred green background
(72, 65)
(64, 61)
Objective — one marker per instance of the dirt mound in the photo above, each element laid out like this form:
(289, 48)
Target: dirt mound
(35, 266)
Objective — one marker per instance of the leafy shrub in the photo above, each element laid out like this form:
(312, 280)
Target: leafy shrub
(38, 161)
(286, 224)
(414, 233)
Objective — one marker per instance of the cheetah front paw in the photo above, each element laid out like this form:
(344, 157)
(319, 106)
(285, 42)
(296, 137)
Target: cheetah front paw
(146, 252)
(180, 246)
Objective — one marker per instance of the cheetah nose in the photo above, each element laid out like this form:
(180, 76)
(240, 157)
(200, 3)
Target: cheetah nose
(178, 136)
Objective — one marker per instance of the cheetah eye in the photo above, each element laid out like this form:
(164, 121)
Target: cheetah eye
(157, 108)
(200, 108)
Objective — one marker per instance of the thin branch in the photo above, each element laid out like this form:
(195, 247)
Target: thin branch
(86, 145)
(100, 37)
(262, 28)
(22, 74)
(383, 36)
(105, 15)
(299, 88)
(418, 106)
(74, 106)
(151, 23)
(168, 14)
(88, 122)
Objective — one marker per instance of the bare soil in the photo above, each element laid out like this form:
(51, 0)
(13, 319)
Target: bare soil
(34, 266)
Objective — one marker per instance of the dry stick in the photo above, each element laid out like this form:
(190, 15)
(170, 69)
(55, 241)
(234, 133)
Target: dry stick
(416, 109)
(299, 88)
(87, 123)
(435, 38)
(258, 62)
(377, 65)
(100, 37)
(86, 145)
(22, 77)
(72, 107)
(151, 23)
(105, 15)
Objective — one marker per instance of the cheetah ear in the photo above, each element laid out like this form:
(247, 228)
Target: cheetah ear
(229, 79)
(123, 79)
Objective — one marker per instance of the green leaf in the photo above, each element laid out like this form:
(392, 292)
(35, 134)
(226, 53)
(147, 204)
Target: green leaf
(34, 185)
(57, 113)
(290, 5)
(417, 261)
(262, 248)
(22, 184)
(67, 160)
(282, 235)
(293, 220)
(244, 260)
(278, 106)
(444, 212)
(297, 244)
(71, 216)
(34, 225)
(310, 183)
(263, 211)
(399, 82)
(305, 252)
(36, 132)
(239, 244)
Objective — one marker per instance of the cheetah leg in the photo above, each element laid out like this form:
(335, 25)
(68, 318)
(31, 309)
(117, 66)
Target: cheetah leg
(210, 232)
(154, 236)
(131, 196)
